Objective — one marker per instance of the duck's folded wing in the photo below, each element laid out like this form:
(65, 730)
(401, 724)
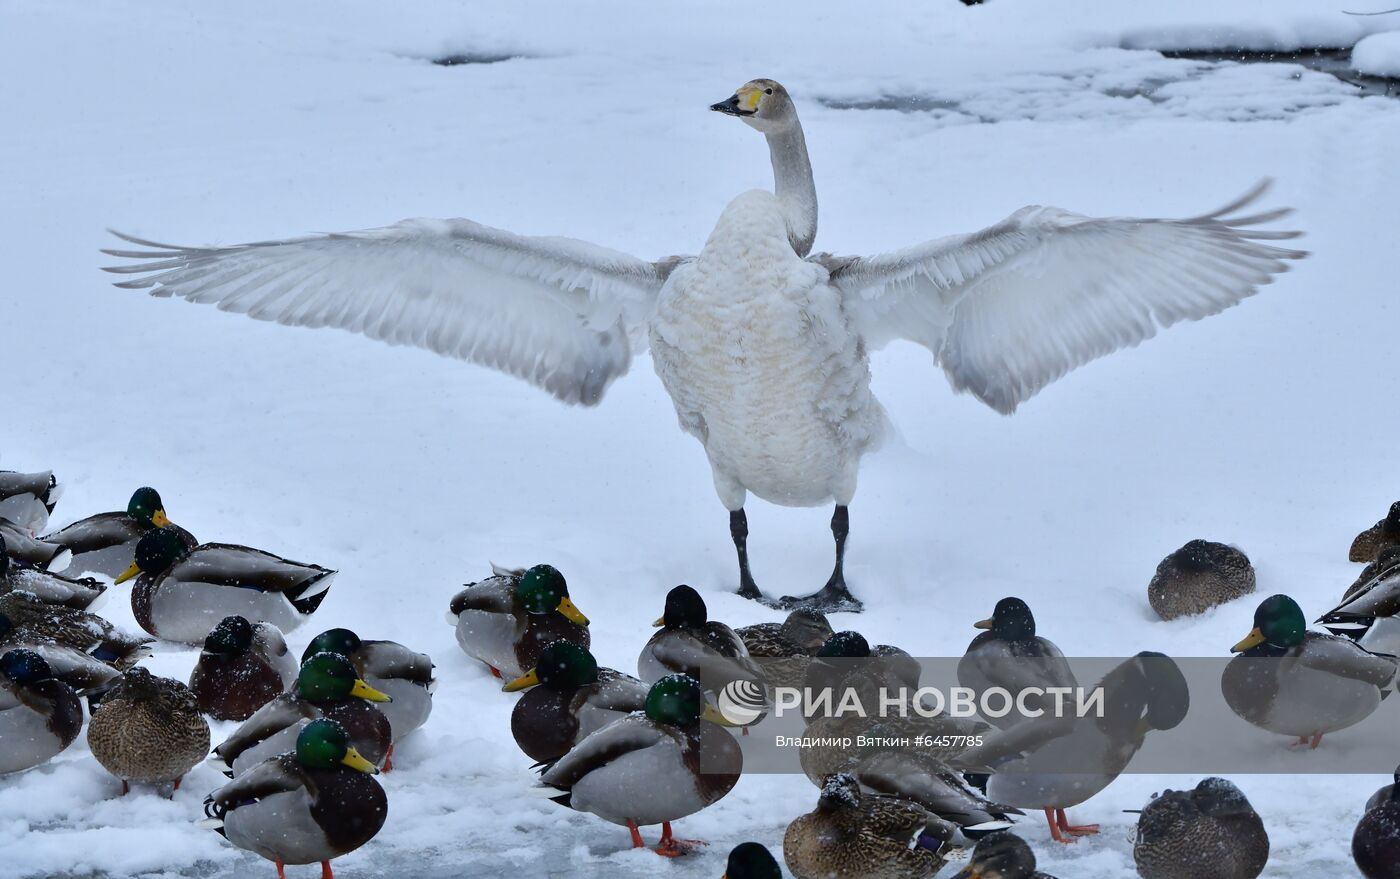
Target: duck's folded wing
(274, 775)
(267, 721)
(1012, 308)
(553, 311)
(631, 733)
(1380, 597)
(1343, 657)
(388, 659)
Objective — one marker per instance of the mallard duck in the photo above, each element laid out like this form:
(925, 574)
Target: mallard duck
(946, 737)
(1370, 611)
(918, 776)
(572, 699)
(690, 643)
(1003, 855)
(39, 715)
(859, 835)
(1210, 831)
(1384, 561)
(1375, 846)
(81, 671)
(1043, 766)
(1010, 655)
(78, 629)
(783, 650)
(80, 594)
(24, 547)
(1328, 684)
(646, 767)
(180, 594)
(314, 803)
(105, 543)
(327, 686)
(751, 860)
(27, 499)
(1197, 577)
(148, 729)
(1384, 794)
(507, 619)
(242, 667)
(1383, 534)
(762, 345)
(404, 676)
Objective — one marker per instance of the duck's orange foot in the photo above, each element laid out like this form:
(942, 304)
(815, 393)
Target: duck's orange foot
(389, 759)
(675, 848)
(496, 672)
(1062, 820)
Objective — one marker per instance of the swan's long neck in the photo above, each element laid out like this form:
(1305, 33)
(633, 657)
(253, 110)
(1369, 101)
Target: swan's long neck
(792, 183)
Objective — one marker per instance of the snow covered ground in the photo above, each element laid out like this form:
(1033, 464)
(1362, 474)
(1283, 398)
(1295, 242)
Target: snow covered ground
(1271, 426)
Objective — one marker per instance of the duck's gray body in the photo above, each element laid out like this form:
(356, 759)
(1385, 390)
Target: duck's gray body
(22, 545)
(27, 499)
(1326, 684)
(78, 593)
(106, 543)
(37, 722)
(404, 676)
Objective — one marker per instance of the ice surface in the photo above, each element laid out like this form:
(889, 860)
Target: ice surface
(1271, 426)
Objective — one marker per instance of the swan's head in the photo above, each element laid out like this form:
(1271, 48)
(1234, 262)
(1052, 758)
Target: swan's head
(762, 103)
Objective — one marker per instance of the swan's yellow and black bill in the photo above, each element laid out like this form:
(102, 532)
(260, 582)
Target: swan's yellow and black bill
(1253, 639)
(524, 682)
(571, 612)
(159, 519)
(132, 570)
(982, 624)
(353, 759)
(735, 106)
(368, 693)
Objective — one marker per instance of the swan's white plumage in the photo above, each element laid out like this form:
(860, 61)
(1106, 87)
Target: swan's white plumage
(764, 367)
(763, 352)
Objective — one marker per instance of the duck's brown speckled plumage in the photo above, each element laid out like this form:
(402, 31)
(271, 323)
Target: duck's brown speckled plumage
(784, 650)
(1383, 534)
(851, 835)
(148, 729)
(1198, 576)
(1375, 845)
(74, 628)
(1210, 831)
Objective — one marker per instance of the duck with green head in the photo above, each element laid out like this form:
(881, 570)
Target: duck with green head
(690, 643)
(309, 805)
(40, 716)
(105, 543)
(149, 730)
(653, 767)
(1010, 655)
(242, 667)
(856, 834)
(571, 698)
(508, 619)
(327, 686)
(27, 499)
(1004, 855)
(1045, 766)
(78, 593)
(77, 629)
(1296, 682)
(401, 674)
(180, 594)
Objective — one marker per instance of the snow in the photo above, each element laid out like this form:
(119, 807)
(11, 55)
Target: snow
(1266, 427)
(1378, 54)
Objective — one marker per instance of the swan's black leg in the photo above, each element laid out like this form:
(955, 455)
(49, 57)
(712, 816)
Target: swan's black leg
(834, 596)
(739, 530)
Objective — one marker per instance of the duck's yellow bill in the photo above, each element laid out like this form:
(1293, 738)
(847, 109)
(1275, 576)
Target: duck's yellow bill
(571, 613)
(712, 714)
(132, 570)
(368, 693)
(660, 621)
(159, 519)
(353, 759)
(1253, 639)
(524, 682)
(982, 624)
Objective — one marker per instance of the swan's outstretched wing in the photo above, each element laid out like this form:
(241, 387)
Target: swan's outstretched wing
(561, 314)
(1016, 306)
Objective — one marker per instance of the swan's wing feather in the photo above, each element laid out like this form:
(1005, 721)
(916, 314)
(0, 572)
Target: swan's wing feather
(562, 314)
(1012, 308)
